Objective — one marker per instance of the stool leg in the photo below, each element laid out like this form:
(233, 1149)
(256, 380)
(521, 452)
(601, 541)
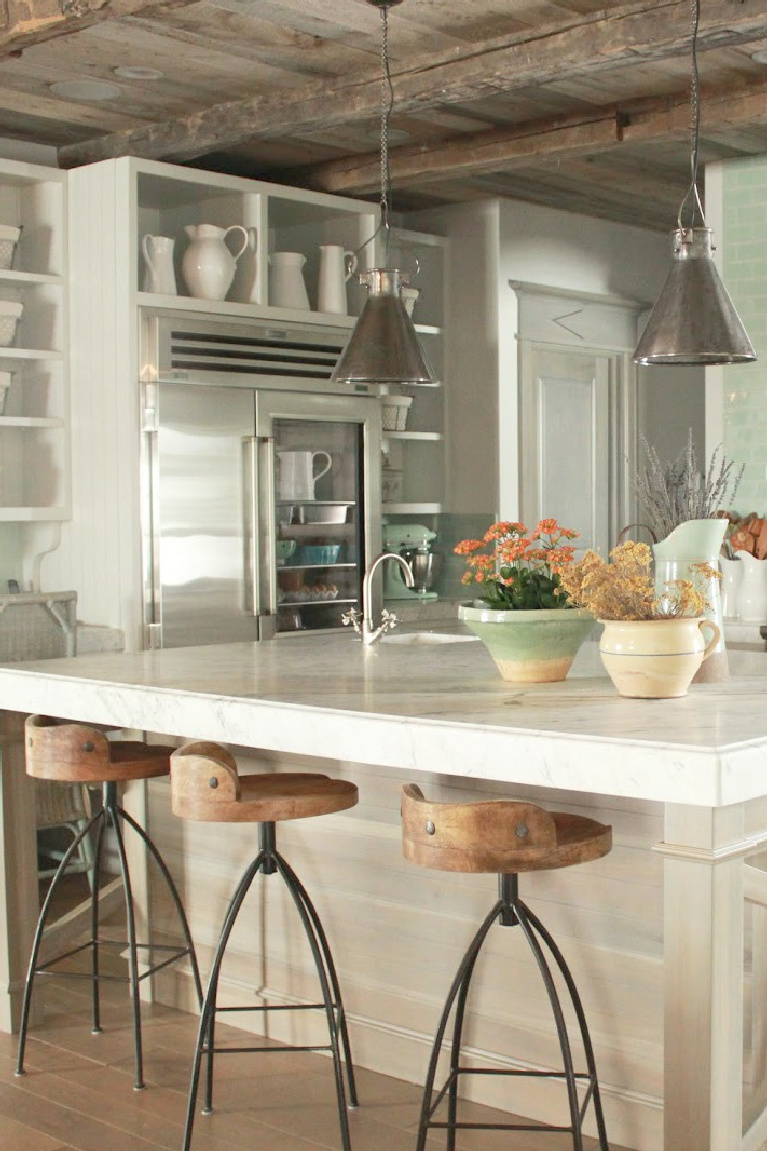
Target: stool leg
(455, 1052)
(205, 1030)
(581, 1016)
(310, 923)
(95, 883)
(32, 969)
(460, 986)
(524, 918)
(330, 967)
(130, 918)
(180, 913)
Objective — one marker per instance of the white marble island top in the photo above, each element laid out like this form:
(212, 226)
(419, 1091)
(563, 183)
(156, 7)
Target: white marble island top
(434, 708)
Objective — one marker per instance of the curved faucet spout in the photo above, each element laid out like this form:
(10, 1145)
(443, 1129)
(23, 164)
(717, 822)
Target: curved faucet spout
(371, 632)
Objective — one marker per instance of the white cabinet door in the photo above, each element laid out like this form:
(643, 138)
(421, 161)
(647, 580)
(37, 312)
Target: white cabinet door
(566, 405)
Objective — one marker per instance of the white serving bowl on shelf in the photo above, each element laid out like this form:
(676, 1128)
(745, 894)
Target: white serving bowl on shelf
(10, 314)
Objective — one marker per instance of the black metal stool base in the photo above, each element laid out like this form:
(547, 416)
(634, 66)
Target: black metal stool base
(269, 861)
(111, 813)
(510, 911)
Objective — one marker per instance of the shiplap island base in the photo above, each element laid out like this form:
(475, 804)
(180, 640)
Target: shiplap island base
(655, 932)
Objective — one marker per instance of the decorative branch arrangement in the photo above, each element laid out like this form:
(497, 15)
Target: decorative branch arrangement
(676, 492)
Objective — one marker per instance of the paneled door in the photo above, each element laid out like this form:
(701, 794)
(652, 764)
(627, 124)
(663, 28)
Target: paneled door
(570, 434)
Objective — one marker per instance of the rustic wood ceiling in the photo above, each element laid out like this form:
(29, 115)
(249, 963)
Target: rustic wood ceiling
(580, 104)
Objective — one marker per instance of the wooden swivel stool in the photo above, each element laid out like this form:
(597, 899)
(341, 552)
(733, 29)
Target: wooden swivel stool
(505, 838)
(74, 753)
(205, 785)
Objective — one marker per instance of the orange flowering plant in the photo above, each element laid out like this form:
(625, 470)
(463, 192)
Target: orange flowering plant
(517, 569)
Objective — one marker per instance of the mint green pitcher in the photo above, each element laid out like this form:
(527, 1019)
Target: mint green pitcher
(694, 542)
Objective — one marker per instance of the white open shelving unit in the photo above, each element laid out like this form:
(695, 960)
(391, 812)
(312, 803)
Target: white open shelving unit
(34, 421)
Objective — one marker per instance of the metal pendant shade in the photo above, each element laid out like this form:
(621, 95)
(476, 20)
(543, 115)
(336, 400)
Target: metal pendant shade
(694, 321)
(384, 347)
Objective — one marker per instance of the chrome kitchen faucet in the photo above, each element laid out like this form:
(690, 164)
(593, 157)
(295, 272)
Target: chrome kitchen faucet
(363, 622)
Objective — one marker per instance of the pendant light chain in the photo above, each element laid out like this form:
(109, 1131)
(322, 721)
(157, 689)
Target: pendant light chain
(692, 191)
(387, 103)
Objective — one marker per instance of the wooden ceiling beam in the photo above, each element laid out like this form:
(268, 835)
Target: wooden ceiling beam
(24, 23)
(505, 150)
(592, 42)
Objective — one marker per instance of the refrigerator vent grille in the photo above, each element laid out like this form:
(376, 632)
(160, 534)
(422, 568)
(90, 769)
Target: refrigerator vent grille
(268, 354)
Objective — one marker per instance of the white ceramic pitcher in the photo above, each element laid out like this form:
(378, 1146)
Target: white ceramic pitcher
(677, 557)
(208, 264)
(159, 273)
(752, 601)
(336, 266)
(296, 474)
(286, 287)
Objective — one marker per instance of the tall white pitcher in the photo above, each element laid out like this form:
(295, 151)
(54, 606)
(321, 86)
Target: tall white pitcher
(286, 285)
(677, 557)
(208, 265)
(159, 273)
(336, 266)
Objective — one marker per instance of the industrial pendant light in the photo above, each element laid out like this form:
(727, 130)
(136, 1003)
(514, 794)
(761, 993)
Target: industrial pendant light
(384, 348)
(694, 321)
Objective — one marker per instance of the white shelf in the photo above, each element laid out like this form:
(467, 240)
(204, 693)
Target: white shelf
(29, 354)
(434, 437)
(32, 515)
(30, 422)
(428, 329)
(227, 308)
(411, 509)
(9, 276)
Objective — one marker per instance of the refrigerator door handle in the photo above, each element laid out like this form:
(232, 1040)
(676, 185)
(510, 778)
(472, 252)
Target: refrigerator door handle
(250, 536)
(259, 511)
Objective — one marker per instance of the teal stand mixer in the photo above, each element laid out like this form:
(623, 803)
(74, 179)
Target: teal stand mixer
(414, 544)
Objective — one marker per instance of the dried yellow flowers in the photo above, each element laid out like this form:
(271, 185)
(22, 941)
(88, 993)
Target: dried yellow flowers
(624, 587)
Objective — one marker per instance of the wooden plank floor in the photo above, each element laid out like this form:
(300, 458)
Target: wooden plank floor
(78, 1094)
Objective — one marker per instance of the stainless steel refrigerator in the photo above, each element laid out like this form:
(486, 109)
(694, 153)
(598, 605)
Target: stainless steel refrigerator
(241, 541)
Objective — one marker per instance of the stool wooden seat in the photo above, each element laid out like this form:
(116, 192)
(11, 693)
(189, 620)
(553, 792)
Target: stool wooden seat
(206, 786)
(211, 789)
(505, 837)
(76, 753)
(498, 836)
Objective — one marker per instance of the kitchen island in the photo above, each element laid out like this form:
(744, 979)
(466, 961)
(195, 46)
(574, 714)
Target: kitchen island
(440, 710)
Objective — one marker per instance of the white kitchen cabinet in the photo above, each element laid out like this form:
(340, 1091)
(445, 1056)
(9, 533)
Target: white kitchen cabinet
(112, 205)
(416, 453)
(34, 458)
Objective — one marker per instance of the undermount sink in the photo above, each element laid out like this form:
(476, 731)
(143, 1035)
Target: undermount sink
(411, 637)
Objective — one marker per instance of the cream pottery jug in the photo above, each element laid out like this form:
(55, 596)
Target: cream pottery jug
(287, 288)
(655, 658)
(691, 543)
(159, 273)
(753, 588)
(336, 266)
(296, 474)
(208, 265)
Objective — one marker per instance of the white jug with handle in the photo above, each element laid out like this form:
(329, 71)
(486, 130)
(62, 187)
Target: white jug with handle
(286, 287)
(296, 474)
(159, 273)
(336, 267)
(208, 264)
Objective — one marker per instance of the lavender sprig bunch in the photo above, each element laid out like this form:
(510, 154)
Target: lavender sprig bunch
(676, 492)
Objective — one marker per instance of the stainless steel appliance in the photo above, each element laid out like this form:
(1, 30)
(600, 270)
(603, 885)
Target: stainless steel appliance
(241, 542)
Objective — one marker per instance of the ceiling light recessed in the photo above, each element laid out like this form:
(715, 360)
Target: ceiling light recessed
(136, 72)
(86, 90)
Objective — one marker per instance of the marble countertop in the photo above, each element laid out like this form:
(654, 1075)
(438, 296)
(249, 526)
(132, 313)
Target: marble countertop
(436, 708)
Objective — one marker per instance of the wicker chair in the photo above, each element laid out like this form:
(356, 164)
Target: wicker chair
(66, 805)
